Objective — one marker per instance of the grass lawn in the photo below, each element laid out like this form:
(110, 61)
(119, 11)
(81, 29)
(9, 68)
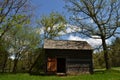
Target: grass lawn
(100, 75)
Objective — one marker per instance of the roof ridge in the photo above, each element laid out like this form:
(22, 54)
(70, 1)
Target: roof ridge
(66, 40)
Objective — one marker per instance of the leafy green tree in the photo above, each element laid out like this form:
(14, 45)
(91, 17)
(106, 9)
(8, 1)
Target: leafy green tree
(98, 60)
(9, 9)
(115, 53)
(21, 40)
(96, 17)
(12, 13)
(53, 25)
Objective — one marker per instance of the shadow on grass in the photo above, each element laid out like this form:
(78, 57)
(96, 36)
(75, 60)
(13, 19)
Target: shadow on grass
(99, 71)
(102, 71)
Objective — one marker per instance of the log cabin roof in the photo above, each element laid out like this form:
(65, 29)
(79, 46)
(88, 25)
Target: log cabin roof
(66, 44)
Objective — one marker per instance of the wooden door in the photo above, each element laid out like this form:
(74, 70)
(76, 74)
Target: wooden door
(52, 65)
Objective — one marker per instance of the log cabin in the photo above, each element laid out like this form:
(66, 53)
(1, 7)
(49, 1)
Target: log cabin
(68, 57)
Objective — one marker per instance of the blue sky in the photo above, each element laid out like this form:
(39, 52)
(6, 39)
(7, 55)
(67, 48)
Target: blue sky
(44, 7)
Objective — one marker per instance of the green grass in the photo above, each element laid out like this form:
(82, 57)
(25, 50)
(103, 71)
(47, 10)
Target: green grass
(100, 75)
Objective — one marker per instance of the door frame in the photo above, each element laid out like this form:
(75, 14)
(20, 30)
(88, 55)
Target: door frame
(63, 65)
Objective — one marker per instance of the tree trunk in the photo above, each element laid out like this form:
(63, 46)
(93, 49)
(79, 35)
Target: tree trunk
(15, 62)
(17, 55)
(29, 60)
(15, 66)
(106, 58)
(5, 58)
(9, 65)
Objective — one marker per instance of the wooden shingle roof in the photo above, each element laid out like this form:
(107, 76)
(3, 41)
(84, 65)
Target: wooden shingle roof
(65, 44)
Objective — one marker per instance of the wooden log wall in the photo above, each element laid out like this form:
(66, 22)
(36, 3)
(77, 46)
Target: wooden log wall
(77, 61)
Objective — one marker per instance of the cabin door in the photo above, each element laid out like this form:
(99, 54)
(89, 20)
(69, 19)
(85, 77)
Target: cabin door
(61, 65)
(52, 65)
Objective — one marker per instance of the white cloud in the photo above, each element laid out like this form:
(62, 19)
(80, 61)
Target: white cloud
(91, 20)
(69, 29)
(72, 28)
(92, 42)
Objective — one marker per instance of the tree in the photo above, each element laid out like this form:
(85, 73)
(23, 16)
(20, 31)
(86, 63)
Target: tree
(115, 52)
(96, 17)
(52, 25)
(12, 13)
(9, 9)
(98, 60)
(21, 40)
